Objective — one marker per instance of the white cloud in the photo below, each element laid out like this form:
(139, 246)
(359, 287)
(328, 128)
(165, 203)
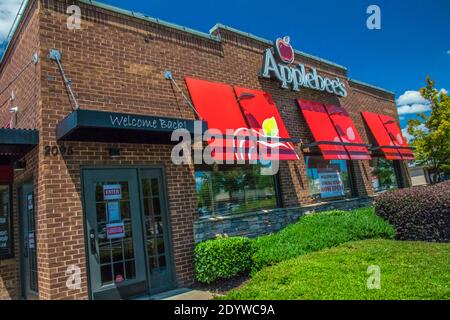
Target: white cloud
(8, 11)
(407, 136)
(443, 91)
(410, 137)
(412, 102)
(411, 97)
(413, 109)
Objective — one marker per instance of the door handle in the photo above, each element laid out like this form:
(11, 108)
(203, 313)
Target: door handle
(93, 242)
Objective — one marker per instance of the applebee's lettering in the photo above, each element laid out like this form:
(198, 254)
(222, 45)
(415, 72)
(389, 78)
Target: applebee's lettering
(296, 77)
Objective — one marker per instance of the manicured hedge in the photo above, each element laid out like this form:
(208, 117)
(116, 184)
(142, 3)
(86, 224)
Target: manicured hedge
(319, 231)
(419, 213)
(222, 258)
(225, 258)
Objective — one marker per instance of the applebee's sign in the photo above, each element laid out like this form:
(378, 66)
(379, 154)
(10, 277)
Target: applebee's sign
(295, 77)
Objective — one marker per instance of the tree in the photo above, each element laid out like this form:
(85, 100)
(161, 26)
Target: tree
(431, 134)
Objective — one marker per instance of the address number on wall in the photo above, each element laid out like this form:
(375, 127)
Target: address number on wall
(54, 151)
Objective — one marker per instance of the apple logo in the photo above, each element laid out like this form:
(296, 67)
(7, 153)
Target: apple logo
(284, 49)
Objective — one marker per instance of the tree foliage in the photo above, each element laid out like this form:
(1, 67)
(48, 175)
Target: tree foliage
(431, 134)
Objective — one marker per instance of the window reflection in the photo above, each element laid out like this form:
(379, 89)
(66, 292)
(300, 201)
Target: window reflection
(233, 191)
(383, 175)
(154, 224)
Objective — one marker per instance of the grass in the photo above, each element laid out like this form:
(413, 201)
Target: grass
(409, 270)
(317, 232)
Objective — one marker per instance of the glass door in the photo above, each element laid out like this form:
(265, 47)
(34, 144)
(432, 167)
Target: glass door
(157, 231)
(29, 272)
(114, 234)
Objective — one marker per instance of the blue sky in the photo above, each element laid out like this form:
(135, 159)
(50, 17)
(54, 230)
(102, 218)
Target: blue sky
(414, 39)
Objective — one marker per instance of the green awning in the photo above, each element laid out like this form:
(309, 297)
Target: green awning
(113, 127)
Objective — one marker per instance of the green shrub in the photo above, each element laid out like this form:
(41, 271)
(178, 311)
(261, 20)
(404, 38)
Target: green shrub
(419, 213)
(222, 258)
(317, 232)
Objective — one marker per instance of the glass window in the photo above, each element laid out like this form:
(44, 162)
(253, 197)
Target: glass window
(383, 175)
(328, 179)
(233, 191)
(5, 227)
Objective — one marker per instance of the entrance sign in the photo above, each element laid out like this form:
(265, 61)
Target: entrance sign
(112, 192)
(295, 77)
(331, 184)
(115, 231)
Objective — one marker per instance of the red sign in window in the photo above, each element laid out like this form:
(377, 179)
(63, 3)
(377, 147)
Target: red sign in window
(347, 132)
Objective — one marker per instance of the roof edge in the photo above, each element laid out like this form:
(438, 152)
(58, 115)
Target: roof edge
(14, 27)
(269, 42)
(144, 17)
(370, 86)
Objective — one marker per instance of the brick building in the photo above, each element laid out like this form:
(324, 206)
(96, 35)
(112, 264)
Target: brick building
(93, 206)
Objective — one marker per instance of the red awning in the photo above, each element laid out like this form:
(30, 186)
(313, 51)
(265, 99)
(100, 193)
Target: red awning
(397, 137)
(263, 117)
(6, 174)
(381, 136)
(348, 133)
(323, 130)
(216, 104)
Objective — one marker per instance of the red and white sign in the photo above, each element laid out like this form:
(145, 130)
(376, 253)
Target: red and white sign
(115, 230)
(112, 192)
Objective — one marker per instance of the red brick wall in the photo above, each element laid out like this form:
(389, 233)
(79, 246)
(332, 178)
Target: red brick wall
(26, 87)
(116, 64)
(27, 91)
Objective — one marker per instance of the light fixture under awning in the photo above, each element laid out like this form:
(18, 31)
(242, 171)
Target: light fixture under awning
(16, 143)
(101, 126)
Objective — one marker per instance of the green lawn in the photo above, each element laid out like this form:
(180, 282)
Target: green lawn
(409, 270)
(319, 231)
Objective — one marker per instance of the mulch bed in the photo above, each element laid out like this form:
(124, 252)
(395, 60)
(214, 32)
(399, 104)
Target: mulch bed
(222, 287)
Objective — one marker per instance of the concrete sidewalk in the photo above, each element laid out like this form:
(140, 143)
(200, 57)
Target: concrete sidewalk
(181, 294)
